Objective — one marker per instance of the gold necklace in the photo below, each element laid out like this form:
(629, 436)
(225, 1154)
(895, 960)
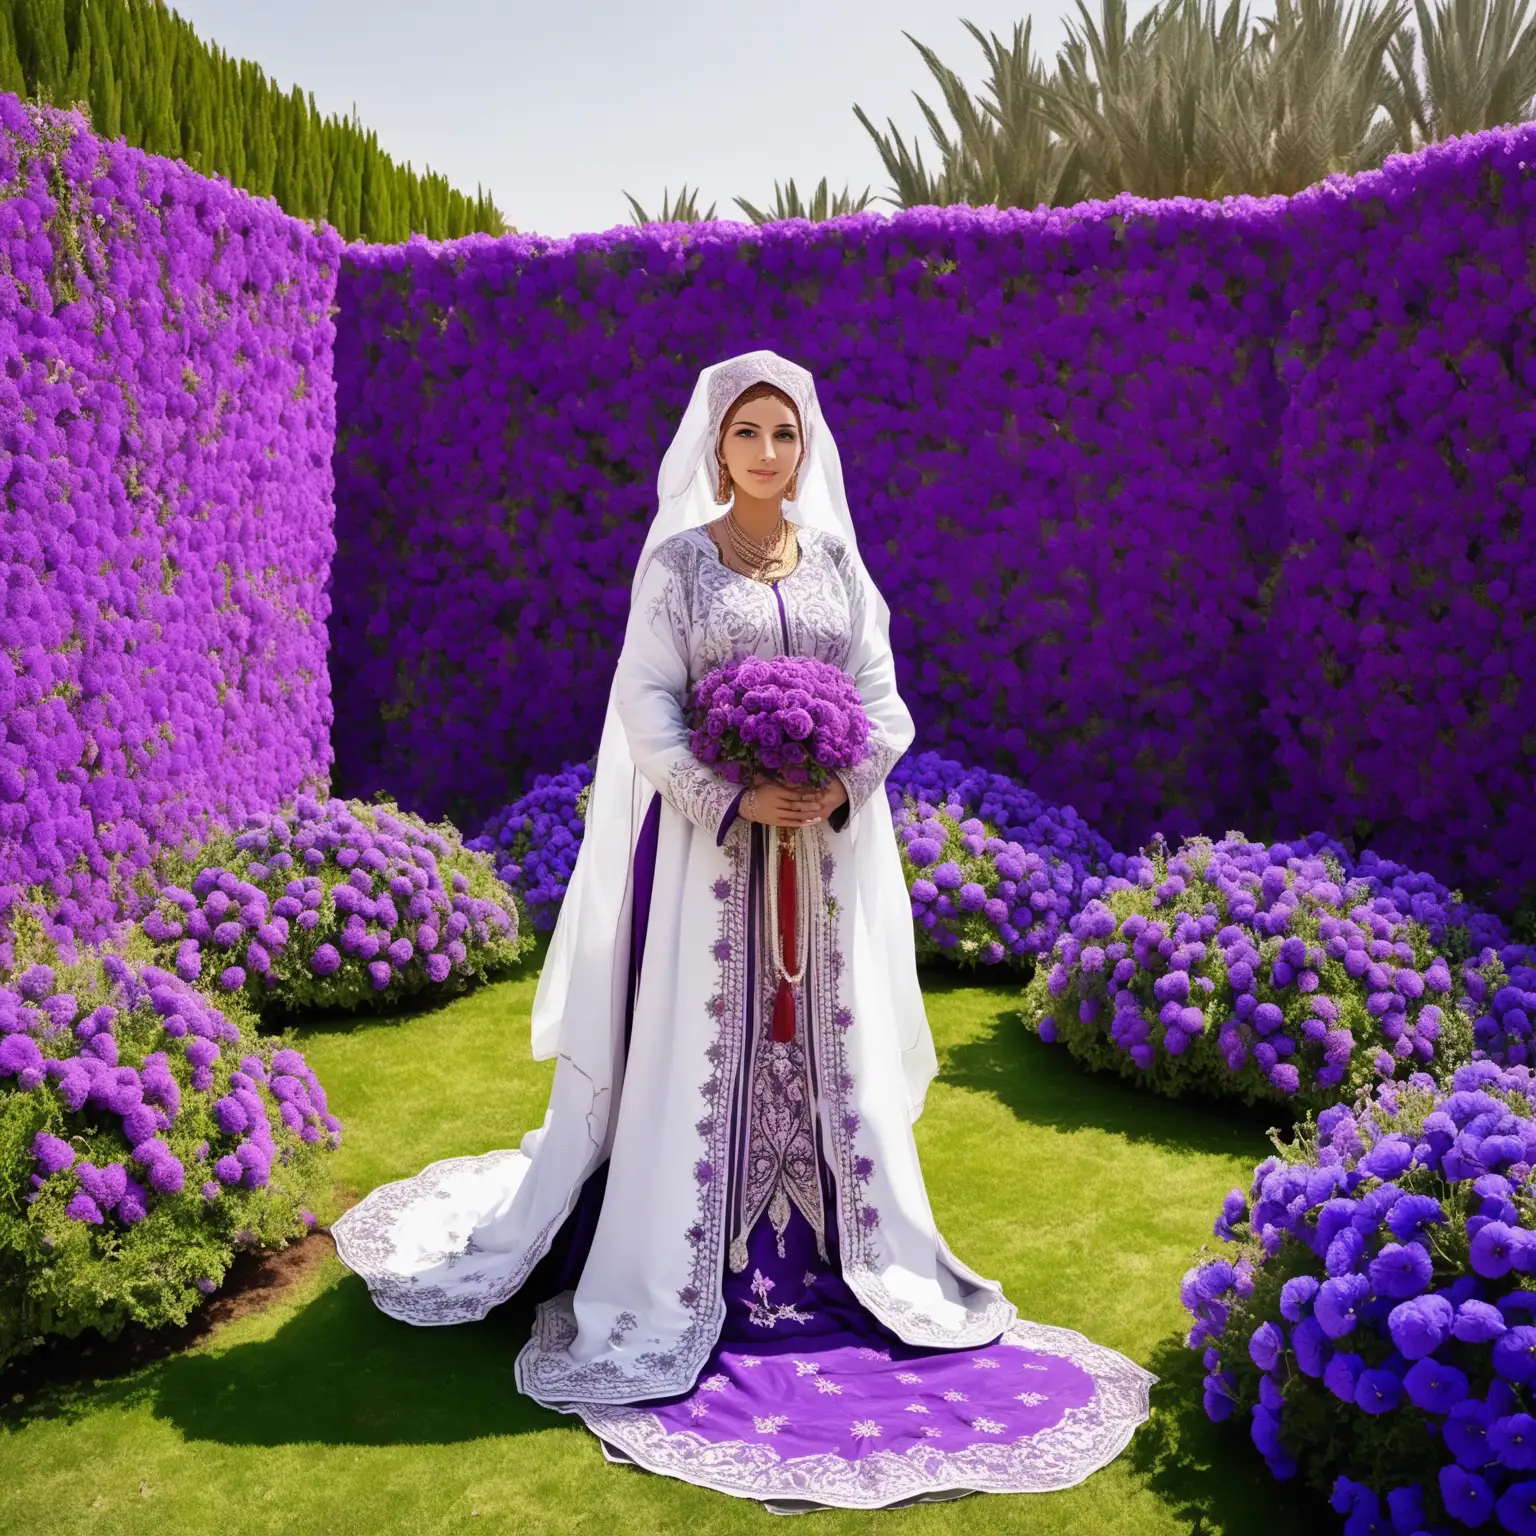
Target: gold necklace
(760, 556)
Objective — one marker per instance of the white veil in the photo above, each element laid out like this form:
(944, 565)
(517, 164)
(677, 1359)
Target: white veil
(583, 985)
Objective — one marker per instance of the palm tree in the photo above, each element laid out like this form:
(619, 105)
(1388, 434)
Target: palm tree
(787, 204)
(684, 211)
(1003, 153)
(1479, 67)
(1315, 95)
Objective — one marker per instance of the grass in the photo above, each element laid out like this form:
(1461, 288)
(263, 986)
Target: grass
(320, 1415)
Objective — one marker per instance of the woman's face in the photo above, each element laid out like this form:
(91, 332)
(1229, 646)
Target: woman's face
(761, 447)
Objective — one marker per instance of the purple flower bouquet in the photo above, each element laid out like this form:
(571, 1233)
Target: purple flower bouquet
(792, 719)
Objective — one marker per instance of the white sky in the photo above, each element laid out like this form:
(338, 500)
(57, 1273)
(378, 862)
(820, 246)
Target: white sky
(559, 109)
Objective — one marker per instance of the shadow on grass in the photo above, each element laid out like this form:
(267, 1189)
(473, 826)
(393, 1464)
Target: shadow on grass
(1210, 1475)
(1043, 1085)
(342, 1373)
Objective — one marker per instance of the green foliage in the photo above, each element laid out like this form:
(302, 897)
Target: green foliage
(141, 73)
(787, 204)
(684, 209)
(1198, 101)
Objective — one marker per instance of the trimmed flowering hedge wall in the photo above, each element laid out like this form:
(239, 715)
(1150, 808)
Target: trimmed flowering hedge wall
(167, 417)
(1106, 462)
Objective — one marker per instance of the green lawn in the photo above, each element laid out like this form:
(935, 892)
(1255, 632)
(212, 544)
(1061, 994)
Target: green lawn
(1085, 1198)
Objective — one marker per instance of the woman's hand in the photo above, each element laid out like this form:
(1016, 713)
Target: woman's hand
(792, 805)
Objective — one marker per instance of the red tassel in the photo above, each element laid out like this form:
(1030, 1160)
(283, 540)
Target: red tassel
(784, 999)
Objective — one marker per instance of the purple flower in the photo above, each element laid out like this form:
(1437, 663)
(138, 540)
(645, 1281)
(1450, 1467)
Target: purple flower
(1420, 1326)
(53, 1155)
(1468, 1498)
(1434, 1386)
(1378, 1391)
(1266, 1345)
(1492, 1250)
(1514, 1354)
(1337, 1301)
(1401, 1269)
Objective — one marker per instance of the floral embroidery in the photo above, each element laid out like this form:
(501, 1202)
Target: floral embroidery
(766, 1315)
(808, 1278)
(956, 1397)
(807, 1367)
(1031, 1399)
(719, 1382)
(770, 1425)
(622, 1324)
(988, 1426)
(865, 1429)
(546, 1370)
(698, 1410)
(825, 1385)
(908, 1378)
(916, 1408)
(931, 1432)
(866, 1353)
(780, 1153)
(748, 1361)
(984, 1364)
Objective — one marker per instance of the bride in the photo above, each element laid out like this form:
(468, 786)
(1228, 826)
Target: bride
(743, 1285)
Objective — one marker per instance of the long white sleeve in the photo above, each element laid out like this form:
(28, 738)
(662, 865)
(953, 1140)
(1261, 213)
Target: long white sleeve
(651, 683)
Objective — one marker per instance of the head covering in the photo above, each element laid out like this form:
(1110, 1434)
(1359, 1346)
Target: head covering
(583, 985)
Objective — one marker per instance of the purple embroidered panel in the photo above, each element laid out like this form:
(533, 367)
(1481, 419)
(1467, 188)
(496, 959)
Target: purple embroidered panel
(801, 1364)
(806, 1401)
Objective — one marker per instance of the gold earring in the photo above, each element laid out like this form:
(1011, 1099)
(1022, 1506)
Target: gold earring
(789, 490)
(723, 487)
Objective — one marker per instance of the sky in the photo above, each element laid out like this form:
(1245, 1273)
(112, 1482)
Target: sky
(560, 108)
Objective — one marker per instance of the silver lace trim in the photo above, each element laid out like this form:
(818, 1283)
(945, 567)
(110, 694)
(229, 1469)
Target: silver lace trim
(1083, 1441)
(364, 1238)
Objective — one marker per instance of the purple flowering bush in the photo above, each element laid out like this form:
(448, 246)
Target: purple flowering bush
(994, 872)
(979, 898)
(145, 1135)
(534, 840)
(1288, 972)
(793, 719)
(167, 418)
(1371, 1321)
(334, 903)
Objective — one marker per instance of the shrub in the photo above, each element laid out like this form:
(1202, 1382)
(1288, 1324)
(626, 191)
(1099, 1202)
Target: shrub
(994, 871)
(1373, 1320)
(145, 1135)
(979, 898)
(534, 840)
(335, 903)
(1281, 972)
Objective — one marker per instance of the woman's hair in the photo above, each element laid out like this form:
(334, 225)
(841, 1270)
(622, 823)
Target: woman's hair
(759, 391)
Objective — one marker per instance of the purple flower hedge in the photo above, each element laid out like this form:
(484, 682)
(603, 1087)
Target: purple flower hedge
(996, 890)
(534, 840)
(335, 904)
(1133, 477)
(1372, 1323)
(167, 416)
(145, 1134)
(1287, 972)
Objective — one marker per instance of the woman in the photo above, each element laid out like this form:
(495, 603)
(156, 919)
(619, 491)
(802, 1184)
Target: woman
(728, 1208)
